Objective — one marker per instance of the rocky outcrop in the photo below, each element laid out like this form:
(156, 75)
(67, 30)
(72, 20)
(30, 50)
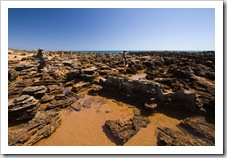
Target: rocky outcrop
(134, 87)
(185, 98)
(12, 75)
(149, 90)
(49, 78)
(36, 91)
(61, 103)
(23, 108)
(41, 126)
(72, 74)
(124, 130)
(195, 132)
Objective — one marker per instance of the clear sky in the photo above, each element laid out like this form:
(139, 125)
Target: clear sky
(112, 29)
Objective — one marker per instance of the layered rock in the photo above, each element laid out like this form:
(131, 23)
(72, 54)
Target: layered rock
(41, 126)
(36, 91)
(72, 74)
(148, 90)
(60, 103)
(134, 87)
(12, 75)
(23, 108)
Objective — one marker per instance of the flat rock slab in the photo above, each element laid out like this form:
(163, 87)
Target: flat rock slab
(23, 108)
(36, 91)
(124, 130)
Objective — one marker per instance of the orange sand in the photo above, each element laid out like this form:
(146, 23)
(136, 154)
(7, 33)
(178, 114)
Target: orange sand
(86, 127)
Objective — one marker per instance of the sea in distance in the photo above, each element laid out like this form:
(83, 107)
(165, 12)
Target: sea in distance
(135, 51)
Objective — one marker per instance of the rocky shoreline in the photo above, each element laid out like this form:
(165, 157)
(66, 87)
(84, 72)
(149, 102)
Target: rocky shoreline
(40, 87)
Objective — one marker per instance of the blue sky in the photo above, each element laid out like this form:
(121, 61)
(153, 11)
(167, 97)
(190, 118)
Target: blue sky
(112, 29)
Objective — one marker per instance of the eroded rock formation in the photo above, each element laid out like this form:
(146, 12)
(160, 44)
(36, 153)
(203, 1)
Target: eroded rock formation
(41, 126)
(37, 91)
(124, 130)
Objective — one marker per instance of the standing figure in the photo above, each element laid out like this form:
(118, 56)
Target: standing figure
(124, 57)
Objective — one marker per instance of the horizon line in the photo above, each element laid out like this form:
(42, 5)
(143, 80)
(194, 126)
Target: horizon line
(108, 50)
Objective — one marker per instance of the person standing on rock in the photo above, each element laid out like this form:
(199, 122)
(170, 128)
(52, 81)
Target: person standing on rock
(124, 57)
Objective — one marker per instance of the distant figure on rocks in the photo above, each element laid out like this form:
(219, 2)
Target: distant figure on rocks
(42, 62)
(39, 55)
(124, 57)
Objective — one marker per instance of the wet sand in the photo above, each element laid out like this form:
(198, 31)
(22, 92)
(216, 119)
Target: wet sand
(86, 127)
